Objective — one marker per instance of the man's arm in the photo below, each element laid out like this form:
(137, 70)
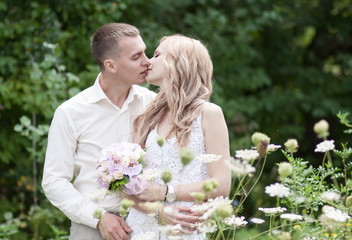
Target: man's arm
(58, 173)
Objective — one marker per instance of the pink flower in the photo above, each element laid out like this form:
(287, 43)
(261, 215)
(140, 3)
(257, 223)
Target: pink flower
(135, 186)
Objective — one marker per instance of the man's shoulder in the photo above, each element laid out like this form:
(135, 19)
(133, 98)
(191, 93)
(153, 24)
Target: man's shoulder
(80, 98)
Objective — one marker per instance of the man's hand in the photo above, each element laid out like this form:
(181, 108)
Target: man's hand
(152, 192)
(113, 227)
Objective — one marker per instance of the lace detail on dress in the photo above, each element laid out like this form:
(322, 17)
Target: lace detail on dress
(167, 157)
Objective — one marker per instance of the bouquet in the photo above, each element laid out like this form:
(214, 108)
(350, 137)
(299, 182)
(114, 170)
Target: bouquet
(120, 165)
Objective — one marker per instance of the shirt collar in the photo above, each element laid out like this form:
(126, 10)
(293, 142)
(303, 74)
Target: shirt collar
(98, 93)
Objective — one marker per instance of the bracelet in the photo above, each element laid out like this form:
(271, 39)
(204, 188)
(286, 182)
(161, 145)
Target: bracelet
(157, 215)
(167, 189)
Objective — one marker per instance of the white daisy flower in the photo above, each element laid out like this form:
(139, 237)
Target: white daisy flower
(240, 168)
(207, 227)
(272, 210)
(209, 207)
(272, 148)
(248, 155)
(277, 190)
(325, 146)
(208, 158)
(235, 221)
(335, 214)
(257, 220)
(291, 217)
(330, 196)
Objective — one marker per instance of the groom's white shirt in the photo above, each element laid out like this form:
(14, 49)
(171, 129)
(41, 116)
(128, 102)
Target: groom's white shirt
(80, 128)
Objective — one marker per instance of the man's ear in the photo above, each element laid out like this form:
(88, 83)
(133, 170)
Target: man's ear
(110, 66)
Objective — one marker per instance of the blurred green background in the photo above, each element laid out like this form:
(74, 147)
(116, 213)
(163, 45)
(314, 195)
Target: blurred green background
(279, 67)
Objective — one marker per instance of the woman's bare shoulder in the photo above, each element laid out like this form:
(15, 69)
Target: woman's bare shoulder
(211, 110)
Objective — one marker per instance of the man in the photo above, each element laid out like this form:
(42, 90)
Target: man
(98, 116)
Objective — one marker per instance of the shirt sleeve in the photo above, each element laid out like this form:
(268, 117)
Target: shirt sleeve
(58, 173)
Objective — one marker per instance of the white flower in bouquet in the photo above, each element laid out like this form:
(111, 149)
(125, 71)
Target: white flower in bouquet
(125, 161)
(107, 178)
(119, 165)
(118, 175)
(325, 146)
(136, 154)
(277, 190)
(330, 196)
(291, 216)
(248, 155)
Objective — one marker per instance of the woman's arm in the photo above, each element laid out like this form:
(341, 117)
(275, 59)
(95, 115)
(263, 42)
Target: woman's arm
(216, 142)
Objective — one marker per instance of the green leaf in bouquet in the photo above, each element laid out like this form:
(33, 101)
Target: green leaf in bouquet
(116, 186)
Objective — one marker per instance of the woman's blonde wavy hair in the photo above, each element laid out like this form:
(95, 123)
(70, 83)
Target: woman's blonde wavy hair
(186, 86)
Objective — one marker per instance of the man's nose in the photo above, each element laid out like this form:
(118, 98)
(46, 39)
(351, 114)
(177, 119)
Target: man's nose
(146, 61)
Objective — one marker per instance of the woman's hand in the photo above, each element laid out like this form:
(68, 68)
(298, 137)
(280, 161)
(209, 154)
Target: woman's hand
(175, 214)
(152, 192)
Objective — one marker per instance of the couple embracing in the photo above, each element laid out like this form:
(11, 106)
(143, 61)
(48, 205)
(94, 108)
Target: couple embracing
(116, 109)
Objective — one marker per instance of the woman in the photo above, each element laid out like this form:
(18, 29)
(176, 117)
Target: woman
(181, 113)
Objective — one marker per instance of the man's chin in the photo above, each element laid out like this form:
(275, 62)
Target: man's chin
(141, 81)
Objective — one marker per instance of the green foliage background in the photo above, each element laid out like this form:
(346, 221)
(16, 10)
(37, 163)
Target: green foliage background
(279, 66)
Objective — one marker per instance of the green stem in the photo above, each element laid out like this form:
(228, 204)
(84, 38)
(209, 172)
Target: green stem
(330, 161)
(234, 234)
(271, 226)
(323, 163)
(344, 165)
(255, 183)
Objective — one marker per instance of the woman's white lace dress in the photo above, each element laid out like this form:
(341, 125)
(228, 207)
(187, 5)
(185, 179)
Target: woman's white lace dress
(167, 157)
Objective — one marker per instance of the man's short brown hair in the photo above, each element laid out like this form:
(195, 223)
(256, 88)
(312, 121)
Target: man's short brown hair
(105, 43)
